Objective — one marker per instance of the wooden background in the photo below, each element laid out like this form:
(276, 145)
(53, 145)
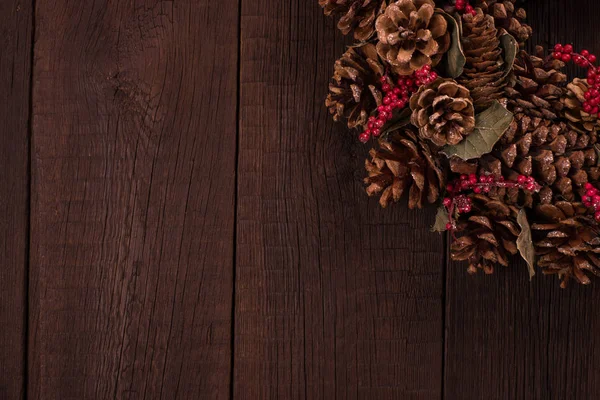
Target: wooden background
(180, 219)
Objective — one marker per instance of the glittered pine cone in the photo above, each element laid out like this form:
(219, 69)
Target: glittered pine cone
(507, 16)
(404, 162)
(354, 89)
(567, 241)
(443, 111)
(357, 15)
(487, 235)
(573, 107)
(411, 35)
(484, 73)
(537, 86)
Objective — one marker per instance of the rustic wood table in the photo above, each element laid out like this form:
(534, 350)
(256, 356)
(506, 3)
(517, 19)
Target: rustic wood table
(181, 219)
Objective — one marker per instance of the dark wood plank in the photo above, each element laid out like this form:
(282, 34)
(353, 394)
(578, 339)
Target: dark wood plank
(335, 298)
(15, 69)
(511, 339)
(134, 132)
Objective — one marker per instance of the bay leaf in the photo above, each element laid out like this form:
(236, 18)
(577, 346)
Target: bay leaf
(511, 47)
(441, 220)
(454, 60)
(490, 125)
(525, 243)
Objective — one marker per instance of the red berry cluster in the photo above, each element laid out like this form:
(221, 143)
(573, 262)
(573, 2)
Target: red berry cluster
(584, 59)
(396, 97)
(463, 5)
(457, 201)
(592, 199)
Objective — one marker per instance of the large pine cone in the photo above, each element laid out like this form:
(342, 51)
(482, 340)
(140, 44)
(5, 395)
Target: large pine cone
(567, 241)
(538, 85)
(403, 163)
(353, 91)
(412, 35)
(443, 111)
(561, 159)
(484, 73)
(507, 16)
(357, 15)
(487, 236)
(573, 107)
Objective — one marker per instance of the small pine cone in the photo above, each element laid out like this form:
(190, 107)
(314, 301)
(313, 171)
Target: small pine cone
(567, 241)
(487, 235)
(560, 159)
(507, 16)
(354, 89)
(403, 163)
(357, 15)
(443, 111)
(412, 35)
(573, 107)
(484, 70)
(537, 85)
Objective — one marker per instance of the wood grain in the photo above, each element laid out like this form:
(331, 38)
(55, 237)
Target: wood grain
(511, 339)
(15, 66)
(133, 169)
(335, 298)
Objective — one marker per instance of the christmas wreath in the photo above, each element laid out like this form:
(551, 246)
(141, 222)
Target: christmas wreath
(460, 115)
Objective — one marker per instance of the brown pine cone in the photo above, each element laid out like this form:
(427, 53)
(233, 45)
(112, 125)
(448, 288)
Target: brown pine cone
(483, 74)
(507, 16)
(573, 101)
(412, 35)
(561, 159)
(401, 163)
(353, 91)
(443, 111)
(567, 241)
(537, 85)
(357, 15)
(487, 236)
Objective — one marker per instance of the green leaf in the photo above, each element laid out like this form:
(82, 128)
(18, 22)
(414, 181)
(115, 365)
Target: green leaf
(490, 125)
(511, 47)
(524, 242)
(454, 60)
(399, 120)
(441, 220)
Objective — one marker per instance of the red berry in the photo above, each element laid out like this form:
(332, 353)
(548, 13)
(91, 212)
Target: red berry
(522, 179)
(449, 187)
(592, 58)
(477, 189)
(591, 73)
(464, 177)
(364, 137)
(558, 48)
(530, 186)
(557, 55)
(567, 48)
(447, 202)
(379, 123)
(566, 57)
(376, 132)
(585, 53)
(588, 186)
(587, 108)
(386, 88)
(448, 226)
(595, 110)
(383, 80)
(472, 179)
(467, 208)
(597, 216)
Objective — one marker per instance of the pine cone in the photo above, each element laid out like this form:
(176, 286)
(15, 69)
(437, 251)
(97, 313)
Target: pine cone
(567, 241)
(561, 159)
(573, 107)
(487, 236)
(484, 73)
(507, 17)
(353, 91)
(412, 35)
(443, 111)
(404, 162)
(537, 86)
(357, 15)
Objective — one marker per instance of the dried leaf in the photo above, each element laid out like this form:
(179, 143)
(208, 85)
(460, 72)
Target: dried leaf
(454, 60)
(524, 242)
(490, 125)
(510, 46)
(597, 148)
(441, 220)
(399, 120)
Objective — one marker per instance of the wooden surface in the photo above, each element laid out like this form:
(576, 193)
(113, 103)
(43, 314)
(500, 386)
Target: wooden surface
(182, 219)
